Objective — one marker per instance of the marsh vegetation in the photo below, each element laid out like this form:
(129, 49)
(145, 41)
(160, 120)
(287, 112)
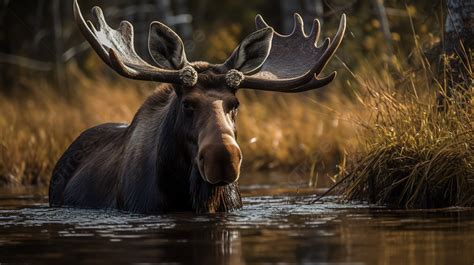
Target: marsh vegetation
(378, 126)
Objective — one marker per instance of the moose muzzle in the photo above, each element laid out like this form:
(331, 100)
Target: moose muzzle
(219, 161)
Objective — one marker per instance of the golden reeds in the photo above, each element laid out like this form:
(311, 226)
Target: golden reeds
(274, 130)
(412, 153)
(35, 128)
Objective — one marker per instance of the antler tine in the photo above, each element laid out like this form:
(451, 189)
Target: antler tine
(298, 25)
(86, 30)
(315, 30)
(274, 76)
(260, 23)
(116, 49)
(329, 52)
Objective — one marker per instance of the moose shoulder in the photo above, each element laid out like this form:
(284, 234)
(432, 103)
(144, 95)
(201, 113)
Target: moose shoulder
(180, 151)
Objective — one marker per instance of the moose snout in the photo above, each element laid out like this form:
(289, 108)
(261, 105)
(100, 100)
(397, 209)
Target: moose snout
(220, 163)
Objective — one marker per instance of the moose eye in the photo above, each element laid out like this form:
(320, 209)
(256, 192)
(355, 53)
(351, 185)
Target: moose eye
(188, 107)
(233, 105)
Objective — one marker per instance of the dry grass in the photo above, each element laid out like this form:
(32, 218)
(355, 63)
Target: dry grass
(284, 131)
(411, 154)
(275, 131)
(401, 151)
(37, 127)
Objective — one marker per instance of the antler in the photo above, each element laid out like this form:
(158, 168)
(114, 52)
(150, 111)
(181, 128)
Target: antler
(295, 60)
(116, 49)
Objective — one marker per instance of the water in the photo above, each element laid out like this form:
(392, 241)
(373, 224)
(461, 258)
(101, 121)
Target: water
(270, 228)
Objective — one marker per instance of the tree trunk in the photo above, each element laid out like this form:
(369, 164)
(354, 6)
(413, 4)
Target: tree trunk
(288, 8)
(6, 75)
(184, 29)
(458, 52)
(58, 46)
(164, 10)
(313, 9)
(385, 27)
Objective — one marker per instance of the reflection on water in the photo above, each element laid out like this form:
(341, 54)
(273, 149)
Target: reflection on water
(279, 228)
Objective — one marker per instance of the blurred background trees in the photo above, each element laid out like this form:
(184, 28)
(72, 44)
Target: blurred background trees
(39, 39)
(457, 50)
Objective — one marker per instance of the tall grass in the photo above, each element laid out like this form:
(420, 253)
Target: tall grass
(36, 127)
(390, 143)
(275, 131)
(412, 153)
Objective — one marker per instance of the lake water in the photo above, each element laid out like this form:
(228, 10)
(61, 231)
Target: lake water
(271, 228)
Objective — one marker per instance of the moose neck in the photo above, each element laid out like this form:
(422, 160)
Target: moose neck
(168, 178)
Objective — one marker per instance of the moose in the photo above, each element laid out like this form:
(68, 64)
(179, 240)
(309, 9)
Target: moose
(180, 153)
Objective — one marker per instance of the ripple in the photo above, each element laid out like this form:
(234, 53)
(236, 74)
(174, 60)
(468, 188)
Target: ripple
(270, 226)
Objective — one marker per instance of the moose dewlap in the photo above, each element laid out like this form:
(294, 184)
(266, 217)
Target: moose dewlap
(180, 152)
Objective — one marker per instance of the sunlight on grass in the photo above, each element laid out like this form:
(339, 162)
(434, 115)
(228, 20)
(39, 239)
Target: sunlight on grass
(413, 153)
(275, 131)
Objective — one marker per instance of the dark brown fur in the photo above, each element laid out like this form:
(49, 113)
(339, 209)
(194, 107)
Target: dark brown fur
(180, 151)
(143, 167)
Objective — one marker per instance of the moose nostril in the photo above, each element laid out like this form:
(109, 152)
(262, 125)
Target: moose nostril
(219, 164)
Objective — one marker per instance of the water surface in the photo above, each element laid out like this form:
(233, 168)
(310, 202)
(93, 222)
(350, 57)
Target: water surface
(270, 228)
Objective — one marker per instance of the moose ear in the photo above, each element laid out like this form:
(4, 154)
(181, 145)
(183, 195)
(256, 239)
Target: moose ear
(166, 47)
(252, 52)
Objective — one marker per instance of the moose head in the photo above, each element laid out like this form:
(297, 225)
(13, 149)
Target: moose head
(201, 102)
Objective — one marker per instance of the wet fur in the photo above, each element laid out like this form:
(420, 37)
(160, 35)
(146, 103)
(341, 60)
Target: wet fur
(143, 167)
